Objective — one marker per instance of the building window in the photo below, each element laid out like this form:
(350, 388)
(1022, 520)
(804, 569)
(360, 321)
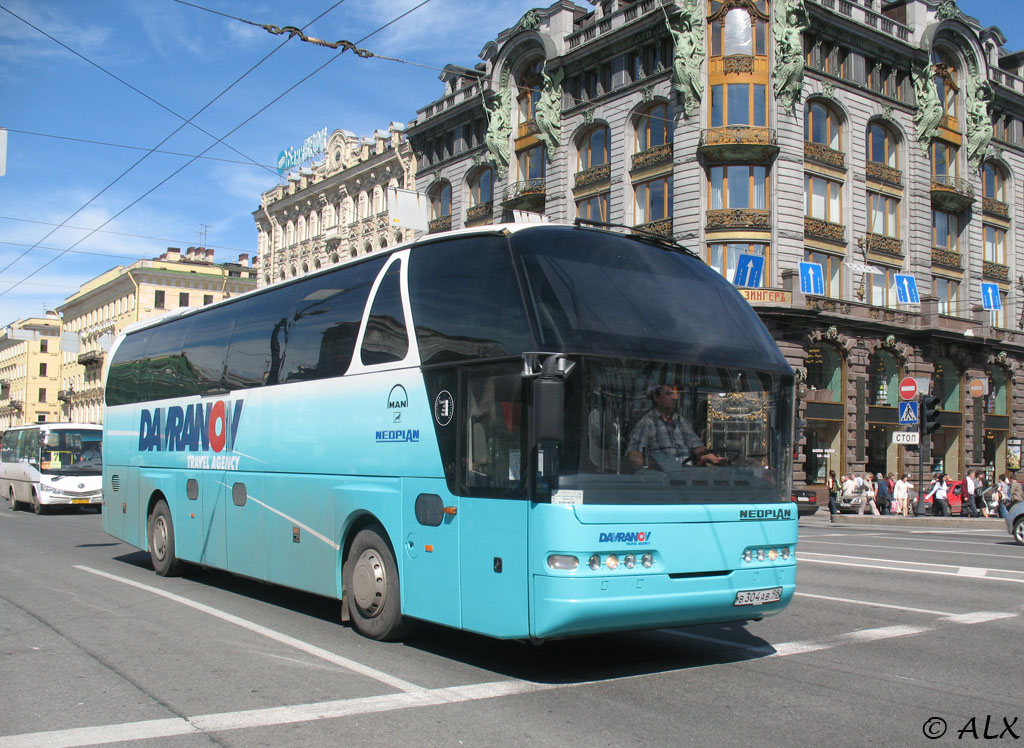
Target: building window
(158, 299)
(183, 298)
(883, 375)
(441, 201)
(481, 187)
(995, 401)
(739, 32)
(997, 317)
(946, 87)
(739, 188)
(882, 287)
(881, 146)
(530, 84)
(832, 270)
(653, 200)
(825, 371)
(42, 394)
(208, 298)
(42, 370)
(594, 208)
(945, 230)
(44, 345)
(531, 163)
(995, 244)
(739, 104)
(948, 292)
(994, 182)
(654, 128)
(883, 214)
(822, 126)
(944, 161)
(593, 149)
(723, 258)
(823, 198)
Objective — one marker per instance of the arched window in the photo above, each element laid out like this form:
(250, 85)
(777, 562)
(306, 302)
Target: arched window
(739, 31)
(481, 187)
(653, 128)
(441, 200)
(822, 126)
(825, 371)
(302, 229)
(946, 85)
(291, 233)
(305, 268)
(530, 83)
(883, 379)
(994, 182)
(593, 147)
(995, 401)
(881, 146)
(314, 224)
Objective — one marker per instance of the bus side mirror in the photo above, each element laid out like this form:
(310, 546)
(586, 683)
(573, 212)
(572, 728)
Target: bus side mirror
(548, 409)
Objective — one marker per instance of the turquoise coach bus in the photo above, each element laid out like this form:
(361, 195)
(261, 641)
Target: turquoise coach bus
(441, 431)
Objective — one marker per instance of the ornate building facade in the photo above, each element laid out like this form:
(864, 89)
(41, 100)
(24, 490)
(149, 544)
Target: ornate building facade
(110, 302)
(336, 209)
(30, 371)
(876, 140)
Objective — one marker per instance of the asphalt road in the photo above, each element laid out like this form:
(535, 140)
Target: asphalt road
(893, 629)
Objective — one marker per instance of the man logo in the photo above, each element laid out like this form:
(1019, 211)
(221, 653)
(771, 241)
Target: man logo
(398, 398)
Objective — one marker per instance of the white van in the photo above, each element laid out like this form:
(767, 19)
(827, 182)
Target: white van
(52, 464)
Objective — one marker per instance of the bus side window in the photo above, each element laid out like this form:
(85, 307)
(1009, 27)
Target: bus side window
(205, 352)
(386, 339)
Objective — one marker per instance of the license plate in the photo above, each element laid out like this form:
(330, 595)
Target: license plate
(758, 597)
(803, 498)
(80, 501)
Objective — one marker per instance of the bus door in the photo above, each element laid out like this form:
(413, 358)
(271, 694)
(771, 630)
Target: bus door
(430, 576)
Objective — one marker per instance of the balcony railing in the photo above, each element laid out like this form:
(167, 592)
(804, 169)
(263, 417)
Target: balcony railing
(594, 175)
(65, 396)
(661, 228)
(946, 258)
(738, 219)
(824, 155)
(995, 270)
(883, 173)
(738, 143)
(995, 207)
(885, 245)
(480, 212)
(444, 223)
(90, 358)
(951, 193)
(659, 154)
(818, 229)
(528, 195)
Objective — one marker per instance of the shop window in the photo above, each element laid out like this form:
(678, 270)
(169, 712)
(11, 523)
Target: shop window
(946, 385)
(825, 371)
(995, 400)
(883, 379)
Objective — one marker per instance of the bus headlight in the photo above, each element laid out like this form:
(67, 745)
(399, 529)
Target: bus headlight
(594, 562)
(563, 562)
(629, 561)
(612, 562)
(647, 560)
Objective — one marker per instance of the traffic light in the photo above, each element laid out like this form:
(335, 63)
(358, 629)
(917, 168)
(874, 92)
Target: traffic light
(929, 414)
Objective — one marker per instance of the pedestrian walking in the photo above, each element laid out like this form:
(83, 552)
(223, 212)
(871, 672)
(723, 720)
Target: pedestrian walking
(938, 493)
(901, 494)
(967, 506)
(867, 498)
(883, 494)
(833, 492)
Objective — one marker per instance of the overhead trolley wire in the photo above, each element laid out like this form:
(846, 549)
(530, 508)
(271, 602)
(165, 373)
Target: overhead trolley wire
(141, 159)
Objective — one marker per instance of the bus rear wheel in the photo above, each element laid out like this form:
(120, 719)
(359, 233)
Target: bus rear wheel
(14, 501)
(161, 542)
(371, 588)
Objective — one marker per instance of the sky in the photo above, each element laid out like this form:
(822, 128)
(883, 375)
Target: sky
(89, 87)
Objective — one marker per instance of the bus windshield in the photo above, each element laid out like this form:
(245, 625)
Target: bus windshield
(67, 451)
(634, 428)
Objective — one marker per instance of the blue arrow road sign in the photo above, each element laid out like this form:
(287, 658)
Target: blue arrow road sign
(812, 278)
(906, 289)
(908, 411)
(990, 297)
(749, 270)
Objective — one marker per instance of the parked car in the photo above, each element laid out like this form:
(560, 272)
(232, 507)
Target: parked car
(1015, 523)
(954, 496)
(806, 500)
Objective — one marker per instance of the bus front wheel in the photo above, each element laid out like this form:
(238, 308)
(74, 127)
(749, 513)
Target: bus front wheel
(37, 506)
(161, 542)
(371, 588)
(14, 501)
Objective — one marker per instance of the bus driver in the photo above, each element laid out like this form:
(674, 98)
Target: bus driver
(663, 432)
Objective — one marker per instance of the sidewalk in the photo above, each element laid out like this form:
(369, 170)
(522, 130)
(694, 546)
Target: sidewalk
(994, 523)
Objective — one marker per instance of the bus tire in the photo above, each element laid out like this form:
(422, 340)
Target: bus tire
(371, 588)
(160, 530)
(37, 506)
(14, 501)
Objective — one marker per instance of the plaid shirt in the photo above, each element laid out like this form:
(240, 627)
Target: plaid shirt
(673, 439)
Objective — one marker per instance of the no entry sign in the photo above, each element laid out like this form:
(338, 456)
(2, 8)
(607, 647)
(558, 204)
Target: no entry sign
(908, 388)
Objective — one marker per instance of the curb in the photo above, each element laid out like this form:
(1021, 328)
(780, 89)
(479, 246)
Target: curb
(993, 523)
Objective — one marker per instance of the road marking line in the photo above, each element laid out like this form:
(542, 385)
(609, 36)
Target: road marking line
(883, 632)
(912, 549)
(871, 604)
(311, 649)
(978, 617)
(251, 718)
(900, 566)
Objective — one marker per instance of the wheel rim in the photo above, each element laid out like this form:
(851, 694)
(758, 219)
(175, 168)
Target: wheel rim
(160, 538)
(370, 583)
(1018, 532)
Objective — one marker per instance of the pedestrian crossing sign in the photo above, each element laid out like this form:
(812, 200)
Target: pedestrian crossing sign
(908, 412)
